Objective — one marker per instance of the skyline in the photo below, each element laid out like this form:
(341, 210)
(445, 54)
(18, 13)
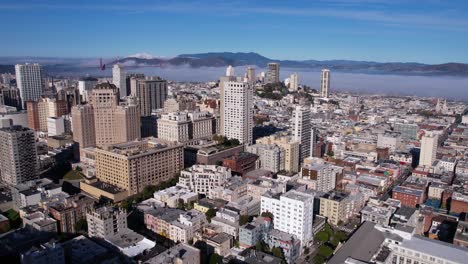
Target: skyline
(434, 33)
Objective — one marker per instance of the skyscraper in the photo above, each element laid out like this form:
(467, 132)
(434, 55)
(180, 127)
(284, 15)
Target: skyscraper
(85, 86)
(29, 79)
(294, 82)
(223, 79)
(250, 74)
(83, 129)
(428, 149)
(39, 111)
(237, 112)
(18, 155)
(325, 83)
(151, 92)
(119, 79)
(272, 75)
(303, 130)
(114, 122)
(230, 71)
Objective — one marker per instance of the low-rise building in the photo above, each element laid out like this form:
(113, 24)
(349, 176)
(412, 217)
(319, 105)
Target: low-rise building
(202, 179)
(251, 233)
(408, 196)
(289, 243)
(181, 254)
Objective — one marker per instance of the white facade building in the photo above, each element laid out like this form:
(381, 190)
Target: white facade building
(55, 126)
(85, 86)
(390, 140)
(292, 212)
(325, 83)
(428, 149)
(119, 79)
(237, 112)
(303, 130)
(293, 82)
(202, 179)
(29, 79)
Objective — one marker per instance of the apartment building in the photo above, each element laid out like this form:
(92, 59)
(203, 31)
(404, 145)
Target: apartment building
(106, 221)
(333, 205)
(136, 164)
(293, 213)
(202, 179)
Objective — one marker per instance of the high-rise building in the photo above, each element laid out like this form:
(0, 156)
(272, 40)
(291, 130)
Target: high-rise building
(294, 82)
(271, 157)
(85, 86)
(325, 83)
(230, 71)
(291, 150)
(222, 81)
(83, 129)
(250, 74)
(106, 221)
(40, 110)
(11, 97)
(237, 111)
(428, 149)
(29, 79)
(272, 75)
(136, 164)
(114, 122)
(119, 79)
(18, 155)
(303, 130)
(292, 213)
(151, 92)
(184, 127)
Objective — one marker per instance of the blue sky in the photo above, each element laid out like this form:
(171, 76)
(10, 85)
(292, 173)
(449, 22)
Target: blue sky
(429, 31)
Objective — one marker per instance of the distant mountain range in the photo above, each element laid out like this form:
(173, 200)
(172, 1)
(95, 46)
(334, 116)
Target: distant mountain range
(223, 59)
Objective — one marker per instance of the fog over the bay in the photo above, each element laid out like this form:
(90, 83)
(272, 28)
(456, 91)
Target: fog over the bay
(451, 87)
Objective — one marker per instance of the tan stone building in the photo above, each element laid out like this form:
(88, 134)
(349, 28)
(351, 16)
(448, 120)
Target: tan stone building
(291, 150)
(136, 164)
(333, 206)
(108, 120)
(184, 127)
(39, 111)
(83, 126)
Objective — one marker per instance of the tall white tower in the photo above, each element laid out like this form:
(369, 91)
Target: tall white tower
(237, 113)
(293, 82)
(325, 83)
(303, 130)
(119, 79)
(428, 149)
(29, 78)
(230, 71)
(250, 74)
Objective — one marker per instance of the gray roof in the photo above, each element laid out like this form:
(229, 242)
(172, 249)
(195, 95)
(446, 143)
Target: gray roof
(362, 245)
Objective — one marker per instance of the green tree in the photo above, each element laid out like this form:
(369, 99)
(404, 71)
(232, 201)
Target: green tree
(215, 259)
(210, 214)
(81, 226)
(14, 217)
(262, 246)
(322, 236)
(244, 219)
(325, 251)
(268, 214)
(278, 252)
